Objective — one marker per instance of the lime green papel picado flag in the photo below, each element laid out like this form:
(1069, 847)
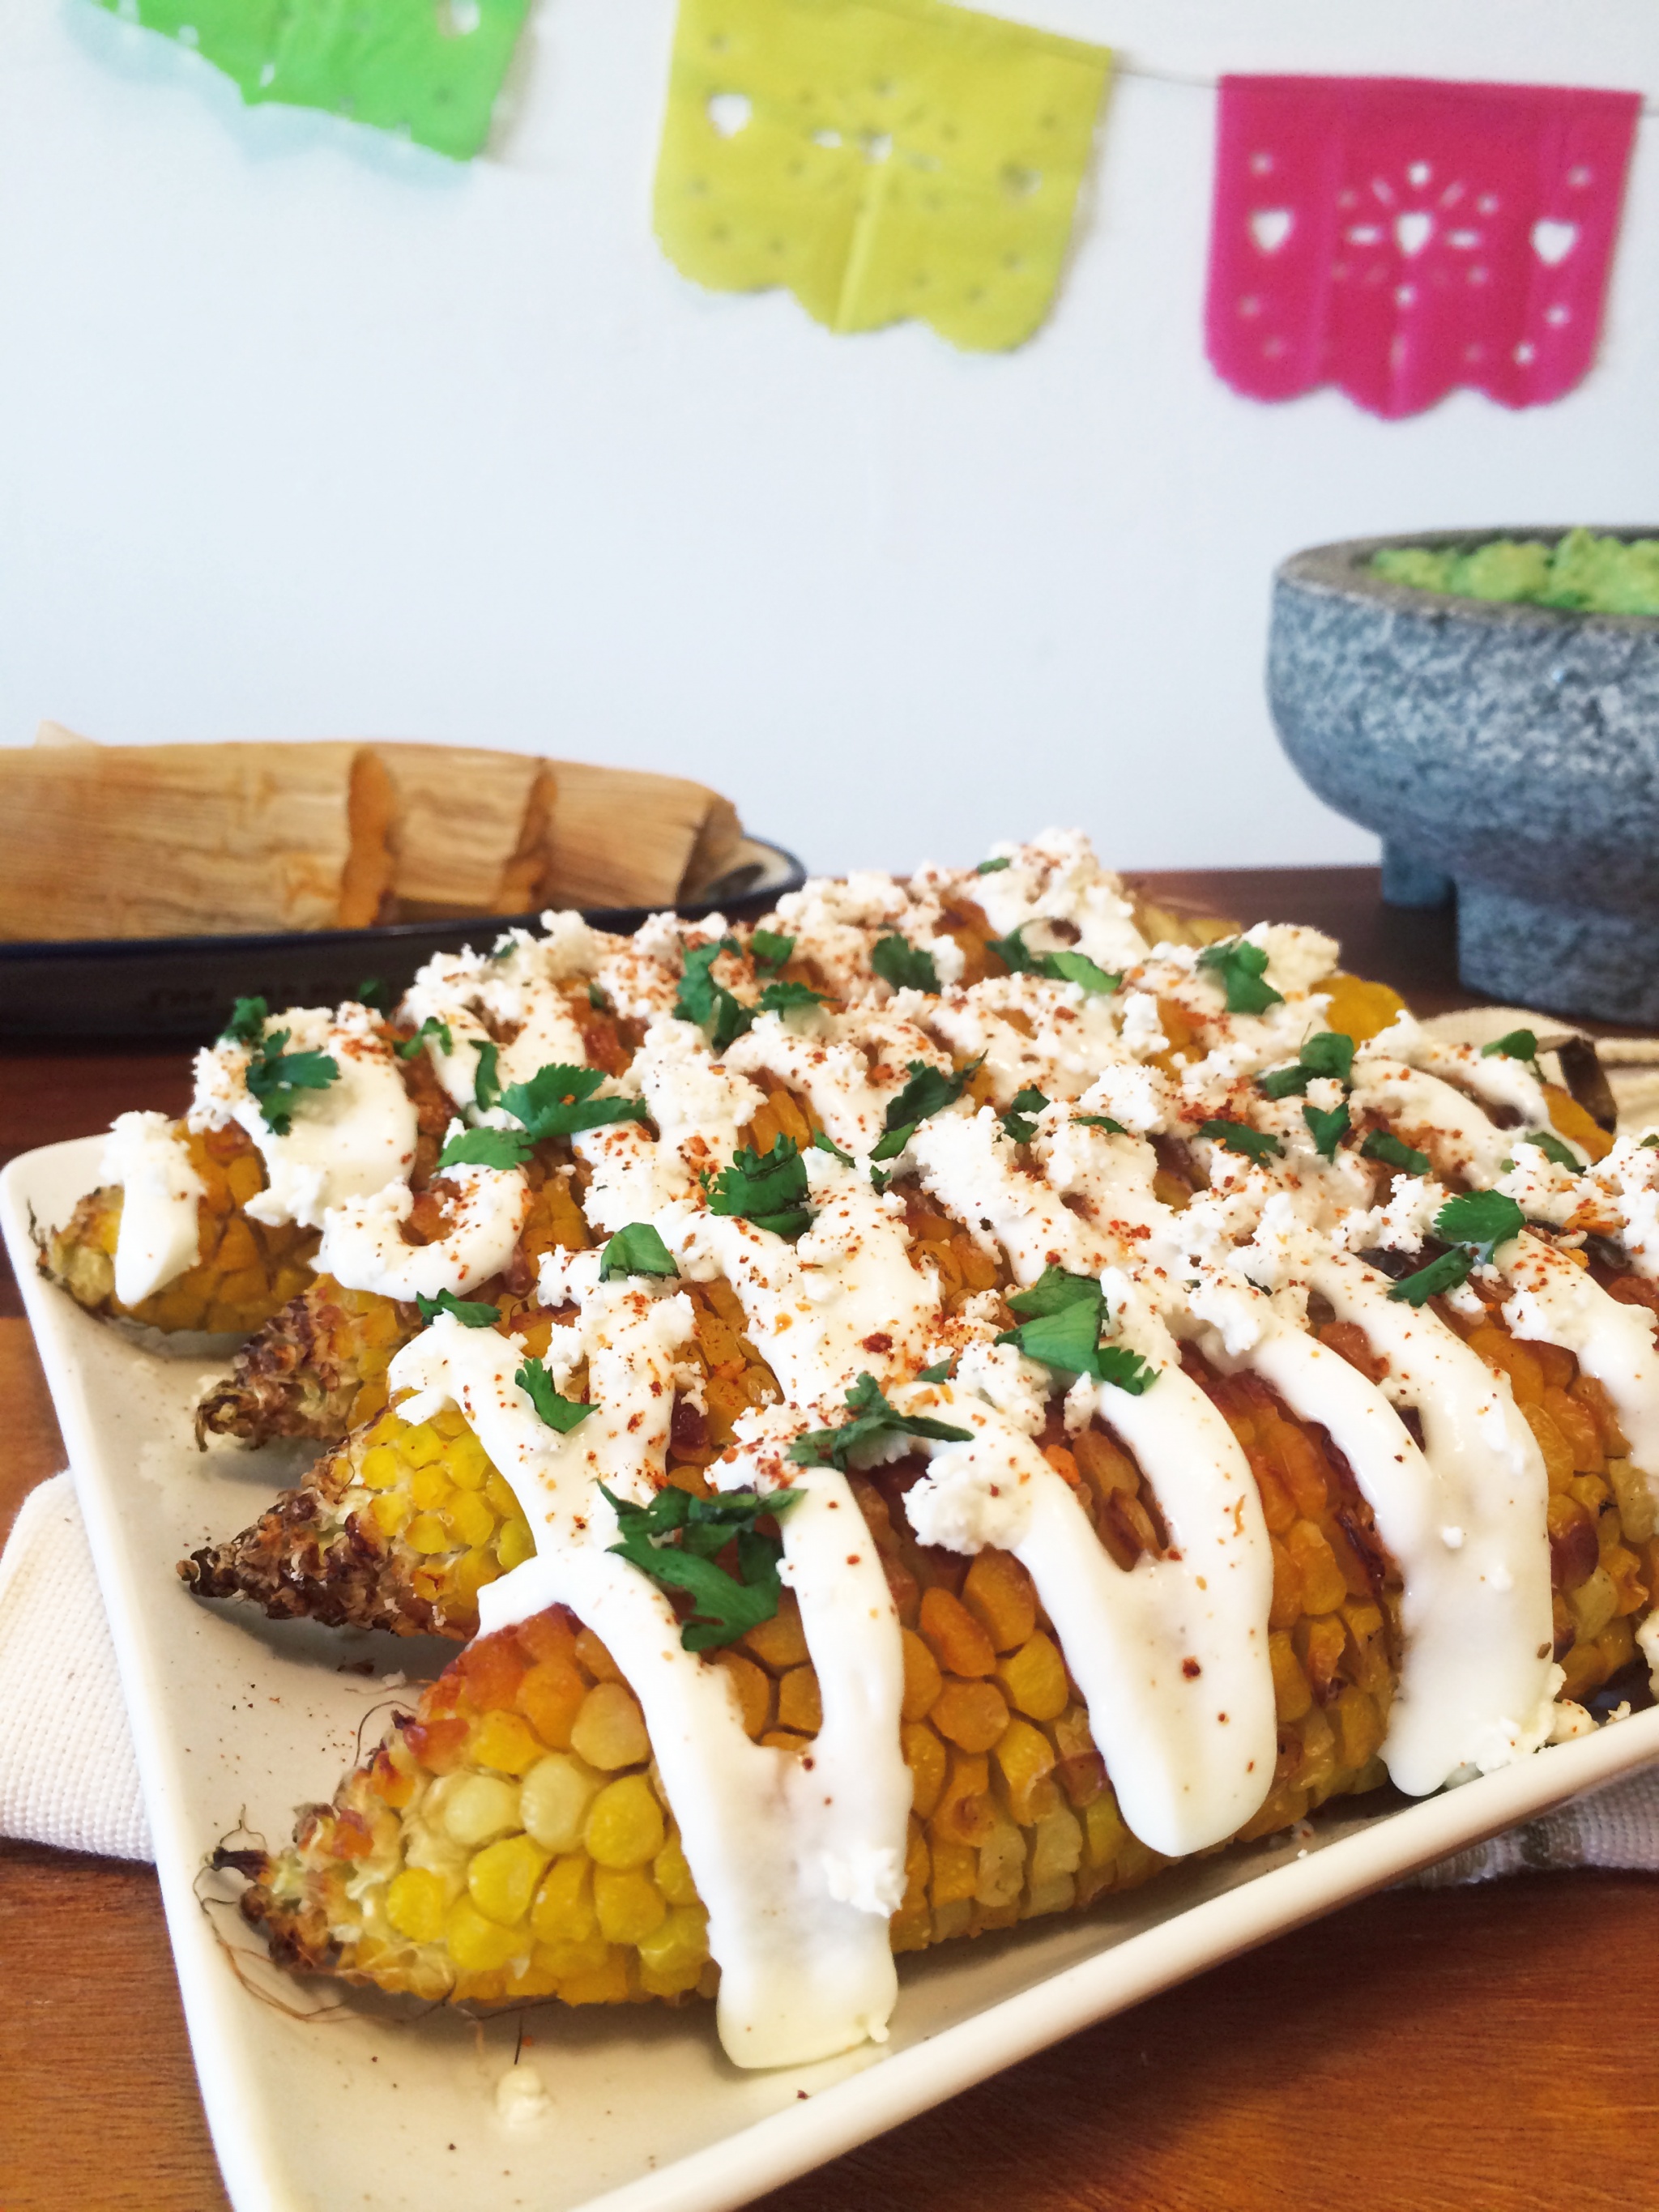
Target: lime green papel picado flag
(882, 159)
(428, 69)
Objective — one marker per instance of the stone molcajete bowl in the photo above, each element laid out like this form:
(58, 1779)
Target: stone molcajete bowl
(1511, 751)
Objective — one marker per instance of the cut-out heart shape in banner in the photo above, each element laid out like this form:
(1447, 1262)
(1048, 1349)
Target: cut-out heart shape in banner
(1397, 237)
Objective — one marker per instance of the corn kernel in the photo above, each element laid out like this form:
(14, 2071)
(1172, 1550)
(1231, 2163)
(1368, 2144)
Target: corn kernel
(957, 1641)
(752, 1688)
(469, 1463)
(473, 1522)
(594, 1655)
(503, 1877)
(506, 1741)
(1292, 1696)
(1104, 1835)
(625, 1825)
(1323, 1585)
(1001, 1874)
(379, 1469)
(563, 1909)
(799, 1706)
(554, 1799)
(476, 1943)
(549, 1697)
(480, 1809)
(609, 1729)
(499, 1493)
(1057, 1846)
(779, 1643)
(422, 1445)
(999, 1593)
(628, 1902)
(429, 1488)
(1025, 1761)
(389, 1512)
(414, 1905)
(428, 1533)
(671, 1872)
(971, 1715)
(680, 1939)
(955, 1872)
(1033, 1678)
(926, 1757)
(515, 1544)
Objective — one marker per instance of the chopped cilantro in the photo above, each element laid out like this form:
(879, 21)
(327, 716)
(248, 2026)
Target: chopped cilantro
(1325, 1126)
(1243, 968)
(1254, 1143)
(1058, 967)
(1649, 1143)
(940, 1372)
(1519, 1044)
(1552, 1149)
(768, 1188)
(1328, 1053)
(486, 1148)
(904, 965)
(1101, 1121)
(1064, 1316)
(559, 1101)
(770, 949)
(430, 1027)
(879, 1179)
(1054, 1289)
(275, 1077)
(1475, 1223)
(778, 998)
(929, 1092)
(992, 868)
(709, 1003)
(372, 992)
(822, 1142)
(1017, 1120)
(873, 1422)
(471, 1313)
(560, 1414)
(486, 1081)
(1380, 1145)
(1441, 1275)
(247, 1021)
(599, 998)
(724, 1607)
(636, 1249)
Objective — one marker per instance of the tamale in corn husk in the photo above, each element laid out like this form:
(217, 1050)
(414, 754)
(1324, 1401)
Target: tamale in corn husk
(472, 830)
(625, 837)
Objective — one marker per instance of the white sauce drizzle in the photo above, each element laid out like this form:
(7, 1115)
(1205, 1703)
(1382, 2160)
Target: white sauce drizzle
(363, 1247)
(1556, 1302)
(513, 990)
(160, 1235)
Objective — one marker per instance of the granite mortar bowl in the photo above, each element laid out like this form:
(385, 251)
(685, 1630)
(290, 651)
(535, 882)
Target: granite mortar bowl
(1509, 750)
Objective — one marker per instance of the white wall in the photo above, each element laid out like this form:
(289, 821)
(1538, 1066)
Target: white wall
(304, 432)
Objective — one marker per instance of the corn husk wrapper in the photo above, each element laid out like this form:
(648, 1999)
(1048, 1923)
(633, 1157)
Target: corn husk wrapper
(470, 829)
(624, 837)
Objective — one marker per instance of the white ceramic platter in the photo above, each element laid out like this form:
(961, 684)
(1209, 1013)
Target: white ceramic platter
(360, 2104)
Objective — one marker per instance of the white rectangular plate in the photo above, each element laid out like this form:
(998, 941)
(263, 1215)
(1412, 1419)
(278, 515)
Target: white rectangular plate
(234, 1718)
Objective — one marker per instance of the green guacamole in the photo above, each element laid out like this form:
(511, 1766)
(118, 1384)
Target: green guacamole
(1601, 576)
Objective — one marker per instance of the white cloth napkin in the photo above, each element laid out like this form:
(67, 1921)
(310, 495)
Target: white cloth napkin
(68, 1777)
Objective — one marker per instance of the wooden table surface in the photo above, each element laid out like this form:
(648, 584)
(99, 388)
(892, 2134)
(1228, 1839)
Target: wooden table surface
(1451, 2051)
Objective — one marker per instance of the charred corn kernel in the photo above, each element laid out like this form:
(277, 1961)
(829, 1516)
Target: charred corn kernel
(554, 1800)
(428, 1533)
(971, 1715)
(1105, 1467)
(1033, 1679)
(1001, 1595)
(1593, 1603)
(480, 1808)
(421, 1446)
(672, 1873)
(389, 1512)
(955, 1638)
(964, 1814)
(1057, 1847)
(563, 1909)
(1323, 1584)
(923, 1680)
(1637, 1508)
(476, 1943)
(799, 1706)
(469, 1516)
(955, 1872)
(752, 1688)
(414, 1905)
(1001, 1870)
(628, 1902)
(609, 1729)
(594, 1655)
(245, 1178)
(549, 1696)
(380, 1469)
(927, 1760)
(514, 1544)
(503, 1878)
(625, 1825)
(506, 1741)
(1292, 1695)
(1575, 1423)
(1025, 1759)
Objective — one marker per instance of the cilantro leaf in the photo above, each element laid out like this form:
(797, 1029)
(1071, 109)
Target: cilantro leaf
(1241, 968)
(1285, 1082)
(636, 1249)
(709, 1003)
(724, 1606)
(1650, 1143)
(1481, 1218)
(1066, 1314)
(1325, 1126)
(471, 1313)
(372, 992)
(1101, 1121)
(1327, 1053)
(873, 1422)
(275, 1077)
(559, 1101)
(560, 1414)
(247, 1021)
(992, 868)
(486, 1081)
(1552, 1149)
(1125, 1370)
(1017, 1120)
(410, 1046)
(486, 1148)
(929, 1092)
(878, 1181)
(1054, 1289)
(1381, 1145)
(822, 1142)
(1519, 1044)
(1442, 1274)
(599, 998)
(1058, 967)
(770, 949)
(1254, 1143)
(904, 965)
(768, 1188)
(778, 998)
(938, 1372)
